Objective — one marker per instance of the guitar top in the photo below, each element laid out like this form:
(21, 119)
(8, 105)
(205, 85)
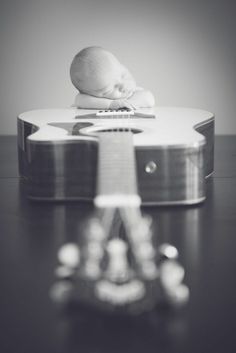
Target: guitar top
(160, 126)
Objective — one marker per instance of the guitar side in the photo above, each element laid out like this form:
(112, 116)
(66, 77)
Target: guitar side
(64, 168)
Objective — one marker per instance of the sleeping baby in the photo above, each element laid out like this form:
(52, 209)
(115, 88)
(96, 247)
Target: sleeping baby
(104, 83)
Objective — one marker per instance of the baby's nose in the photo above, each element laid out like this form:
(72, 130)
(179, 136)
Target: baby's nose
(125, 87)
(122, 88)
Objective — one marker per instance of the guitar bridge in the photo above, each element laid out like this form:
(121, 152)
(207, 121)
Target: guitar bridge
(119, 114)
(114, 113)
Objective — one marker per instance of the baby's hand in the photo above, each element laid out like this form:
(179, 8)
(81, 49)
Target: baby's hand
(121, 103)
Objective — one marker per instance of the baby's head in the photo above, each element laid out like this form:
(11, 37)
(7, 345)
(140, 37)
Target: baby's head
(97, 72)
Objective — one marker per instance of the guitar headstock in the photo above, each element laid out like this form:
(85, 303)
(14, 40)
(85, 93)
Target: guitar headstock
(118, 268)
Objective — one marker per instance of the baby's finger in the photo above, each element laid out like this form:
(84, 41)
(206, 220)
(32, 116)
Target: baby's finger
(129, 105)
(133, 107)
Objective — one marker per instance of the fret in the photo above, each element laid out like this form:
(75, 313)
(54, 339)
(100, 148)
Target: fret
(116, 178)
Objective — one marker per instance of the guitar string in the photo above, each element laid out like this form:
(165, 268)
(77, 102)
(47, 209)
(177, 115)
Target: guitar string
(123, 126)
(128, 212)
(125, 212)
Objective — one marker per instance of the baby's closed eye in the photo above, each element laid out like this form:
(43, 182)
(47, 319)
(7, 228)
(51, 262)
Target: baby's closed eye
(119, 86)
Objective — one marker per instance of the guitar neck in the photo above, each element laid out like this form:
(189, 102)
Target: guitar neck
(116, 179)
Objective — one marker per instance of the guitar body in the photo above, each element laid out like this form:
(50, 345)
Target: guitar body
(174, 149)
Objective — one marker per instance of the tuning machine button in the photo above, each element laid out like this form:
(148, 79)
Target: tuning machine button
(69, 255)
(171, 276)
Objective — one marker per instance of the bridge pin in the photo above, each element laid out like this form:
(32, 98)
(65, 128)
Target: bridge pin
(94, 230)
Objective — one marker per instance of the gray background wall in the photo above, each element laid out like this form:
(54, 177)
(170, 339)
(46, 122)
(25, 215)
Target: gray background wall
(182, 50)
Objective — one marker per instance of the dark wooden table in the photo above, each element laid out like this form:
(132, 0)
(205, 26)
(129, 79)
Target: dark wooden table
(205, 235)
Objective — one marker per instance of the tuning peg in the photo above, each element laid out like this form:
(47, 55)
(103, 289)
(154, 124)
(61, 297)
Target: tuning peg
(141, 231)
(69, 255)
(171, 273)
(94, 250)
(179, 295)
(149, 270)
(93, 253)
(168, 251)
(92, 270)
(171, 276)
(118, 267)
(94, 230)
(144, 250)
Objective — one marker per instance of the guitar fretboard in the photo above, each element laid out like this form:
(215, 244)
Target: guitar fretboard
(116, 165)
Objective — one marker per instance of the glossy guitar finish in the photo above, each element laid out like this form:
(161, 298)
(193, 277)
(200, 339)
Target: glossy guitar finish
(174, 149)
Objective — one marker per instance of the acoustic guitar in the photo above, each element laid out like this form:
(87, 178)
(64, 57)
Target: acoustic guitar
(120, 160)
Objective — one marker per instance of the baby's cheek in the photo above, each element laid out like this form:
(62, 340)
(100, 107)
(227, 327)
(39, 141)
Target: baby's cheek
(117, 95)
(114, 95)
(100, 94)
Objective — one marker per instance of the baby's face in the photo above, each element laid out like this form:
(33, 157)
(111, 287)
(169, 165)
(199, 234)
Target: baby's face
(111, 80)
(116, 84)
